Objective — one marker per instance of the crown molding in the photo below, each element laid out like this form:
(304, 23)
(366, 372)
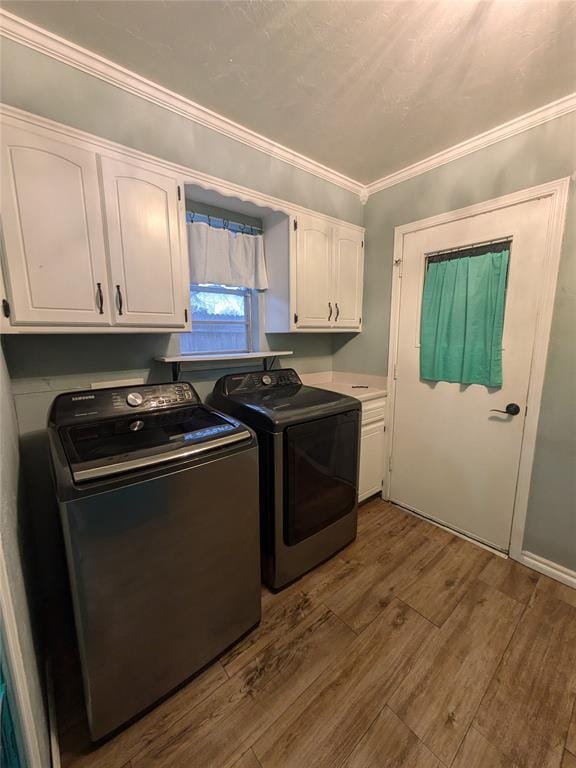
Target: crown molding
(504, 131)
(45, 126)
(24, 32)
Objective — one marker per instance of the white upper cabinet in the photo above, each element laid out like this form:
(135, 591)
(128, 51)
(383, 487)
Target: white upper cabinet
(316, 280)
(93, 239)
(313, 264)
(142, 215)
(54, 256)
(348, 277)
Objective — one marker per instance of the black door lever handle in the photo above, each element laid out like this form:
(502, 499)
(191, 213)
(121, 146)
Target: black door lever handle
(512, 409)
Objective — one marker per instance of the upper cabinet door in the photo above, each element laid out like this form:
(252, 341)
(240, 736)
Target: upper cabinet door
(314, 299)
(55, 264)
(348, 277)
(142, 215)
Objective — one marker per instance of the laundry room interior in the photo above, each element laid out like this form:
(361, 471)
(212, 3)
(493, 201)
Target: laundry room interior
(288, 384)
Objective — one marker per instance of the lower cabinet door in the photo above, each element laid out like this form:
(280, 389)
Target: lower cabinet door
(371, 460)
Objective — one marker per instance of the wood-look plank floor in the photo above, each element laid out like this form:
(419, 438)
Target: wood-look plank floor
(412, 648)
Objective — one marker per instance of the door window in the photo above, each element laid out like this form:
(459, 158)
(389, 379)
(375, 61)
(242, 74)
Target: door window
(463, 315)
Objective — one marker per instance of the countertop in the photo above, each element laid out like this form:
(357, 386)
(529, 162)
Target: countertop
(360, 393)
(355, 384)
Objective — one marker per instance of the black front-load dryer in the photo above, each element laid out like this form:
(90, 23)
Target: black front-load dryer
(309, 443)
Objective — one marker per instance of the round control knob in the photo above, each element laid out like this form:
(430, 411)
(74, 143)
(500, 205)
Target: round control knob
(136, 426)
(134, 399)
(266, 380)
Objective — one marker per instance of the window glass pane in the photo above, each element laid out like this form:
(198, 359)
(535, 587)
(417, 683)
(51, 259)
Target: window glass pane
(216, 337)
(220, 320)
(209, 305)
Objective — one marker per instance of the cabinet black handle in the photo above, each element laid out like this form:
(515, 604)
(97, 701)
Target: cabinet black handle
(100, 298)
(330, 308)
(120, 301)
(337, 311)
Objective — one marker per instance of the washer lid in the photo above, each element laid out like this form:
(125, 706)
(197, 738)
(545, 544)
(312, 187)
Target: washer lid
(111, 446)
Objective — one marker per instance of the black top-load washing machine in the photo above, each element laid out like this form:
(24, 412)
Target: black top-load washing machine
(309, 441)
(158, 497)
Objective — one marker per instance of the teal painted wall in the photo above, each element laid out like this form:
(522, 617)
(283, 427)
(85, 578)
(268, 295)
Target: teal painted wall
(542, 154)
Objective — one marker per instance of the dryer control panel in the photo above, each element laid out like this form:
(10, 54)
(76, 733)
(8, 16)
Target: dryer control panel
(256, 381)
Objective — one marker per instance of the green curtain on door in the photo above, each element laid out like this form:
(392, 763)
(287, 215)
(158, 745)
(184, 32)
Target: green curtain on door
(463, 317)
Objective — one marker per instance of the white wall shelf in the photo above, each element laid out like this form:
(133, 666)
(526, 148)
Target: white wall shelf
(178, 360)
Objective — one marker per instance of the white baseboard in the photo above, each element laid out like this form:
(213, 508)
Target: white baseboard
(454, 531)
(548, 568)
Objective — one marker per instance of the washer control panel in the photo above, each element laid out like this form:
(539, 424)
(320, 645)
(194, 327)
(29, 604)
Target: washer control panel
(107, 403)
(255, 381)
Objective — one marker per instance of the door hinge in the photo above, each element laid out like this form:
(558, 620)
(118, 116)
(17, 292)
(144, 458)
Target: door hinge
(179, 193)
(398, 263)
(390, 464)
(362, 243)
(6, 307)
(185, 315)
(295, 318)
(395, 371)
(295, 224)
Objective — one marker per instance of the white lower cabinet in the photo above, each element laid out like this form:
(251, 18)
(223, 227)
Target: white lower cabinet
(372, 448)
(371, 460)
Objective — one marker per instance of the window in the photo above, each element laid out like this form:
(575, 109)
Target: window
(221, 320)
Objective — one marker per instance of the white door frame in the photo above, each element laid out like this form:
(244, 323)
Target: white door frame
(557, 191)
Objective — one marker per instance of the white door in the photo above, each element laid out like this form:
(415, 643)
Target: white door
(453, 458)
(348, 276)
(142, 214)
(314, 300)
(53, 232)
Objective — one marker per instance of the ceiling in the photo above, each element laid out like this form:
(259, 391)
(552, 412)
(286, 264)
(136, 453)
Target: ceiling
(364, 87)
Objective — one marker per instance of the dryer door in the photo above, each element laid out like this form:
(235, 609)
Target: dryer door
(320, 474)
